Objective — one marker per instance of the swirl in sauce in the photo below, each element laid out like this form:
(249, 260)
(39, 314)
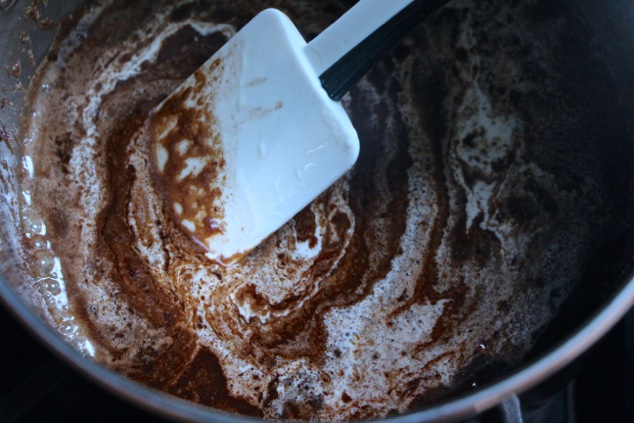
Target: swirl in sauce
(450, 245)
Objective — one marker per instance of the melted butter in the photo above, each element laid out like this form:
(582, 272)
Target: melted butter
(455, 229)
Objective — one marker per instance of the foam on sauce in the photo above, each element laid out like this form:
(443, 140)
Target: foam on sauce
(450, 245)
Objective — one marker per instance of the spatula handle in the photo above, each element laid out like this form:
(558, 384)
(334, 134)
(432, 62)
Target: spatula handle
(347, 49)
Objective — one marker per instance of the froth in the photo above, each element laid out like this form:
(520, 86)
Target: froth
(451, 243)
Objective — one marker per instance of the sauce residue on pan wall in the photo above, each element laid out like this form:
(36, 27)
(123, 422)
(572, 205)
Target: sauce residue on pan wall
(479, 194)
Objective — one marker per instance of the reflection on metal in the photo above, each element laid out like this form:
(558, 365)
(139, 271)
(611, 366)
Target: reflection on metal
(6, 4)
(512, 410)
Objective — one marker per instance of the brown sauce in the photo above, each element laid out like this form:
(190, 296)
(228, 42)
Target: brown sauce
(480, 191)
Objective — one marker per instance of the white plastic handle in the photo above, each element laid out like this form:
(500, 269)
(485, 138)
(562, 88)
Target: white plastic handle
(349, 30)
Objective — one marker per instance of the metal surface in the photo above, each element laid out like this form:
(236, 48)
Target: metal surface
(613, 22)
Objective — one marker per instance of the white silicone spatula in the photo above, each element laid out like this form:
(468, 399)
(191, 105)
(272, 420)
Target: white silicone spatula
(258, 131)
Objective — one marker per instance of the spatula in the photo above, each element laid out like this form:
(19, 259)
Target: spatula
(258, 132)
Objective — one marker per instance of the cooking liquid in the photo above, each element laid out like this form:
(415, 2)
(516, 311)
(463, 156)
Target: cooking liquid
(479, 194)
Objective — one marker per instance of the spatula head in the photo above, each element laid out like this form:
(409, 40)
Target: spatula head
(249, 140)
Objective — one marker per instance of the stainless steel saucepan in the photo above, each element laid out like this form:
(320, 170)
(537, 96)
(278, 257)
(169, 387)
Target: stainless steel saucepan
(581, 323)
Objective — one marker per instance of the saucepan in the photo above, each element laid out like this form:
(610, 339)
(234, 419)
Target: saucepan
(604, 290)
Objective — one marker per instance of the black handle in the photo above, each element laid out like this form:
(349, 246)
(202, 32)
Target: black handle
(338, 79)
